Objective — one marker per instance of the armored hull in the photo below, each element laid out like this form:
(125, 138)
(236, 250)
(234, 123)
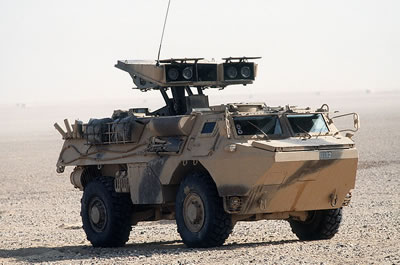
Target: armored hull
(208, 166)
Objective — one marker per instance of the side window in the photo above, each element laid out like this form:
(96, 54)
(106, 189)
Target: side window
(208, 127)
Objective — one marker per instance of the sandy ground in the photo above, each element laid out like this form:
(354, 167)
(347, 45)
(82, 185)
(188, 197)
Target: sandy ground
(40, 221)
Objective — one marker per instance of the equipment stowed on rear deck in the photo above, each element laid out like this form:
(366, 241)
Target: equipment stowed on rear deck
(107, 131)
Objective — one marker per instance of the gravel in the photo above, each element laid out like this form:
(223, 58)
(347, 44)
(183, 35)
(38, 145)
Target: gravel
(40, 219)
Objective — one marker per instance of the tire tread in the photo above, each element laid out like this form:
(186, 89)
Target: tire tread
(221, 226)
(325, 225)
(121, 215)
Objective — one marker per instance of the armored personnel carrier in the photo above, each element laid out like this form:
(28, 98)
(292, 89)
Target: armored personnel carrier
(208, 167)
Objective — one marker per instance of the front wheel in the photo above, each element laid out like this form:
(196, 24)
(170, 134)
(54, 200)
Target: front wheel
(106, 215)
(200, 216)
(321, 224)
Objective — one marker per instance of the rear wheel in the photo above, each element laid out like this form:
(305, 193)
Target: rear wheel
(106, 215)
(200, 216)
(321, 224)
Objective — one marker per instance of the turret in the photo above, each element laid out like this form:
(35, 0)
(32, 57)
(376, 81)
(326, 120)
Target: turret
(180, 75)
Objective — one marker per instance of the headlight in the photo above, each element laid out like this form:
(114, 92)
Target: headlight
(173, 74)
(245, 71)
(231, 72)
(187, 73)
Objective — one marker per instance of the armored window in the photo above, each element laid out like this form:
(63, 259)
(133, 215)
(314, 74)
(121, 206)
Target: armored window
(307, 123)
(252, 125)
(208, 127)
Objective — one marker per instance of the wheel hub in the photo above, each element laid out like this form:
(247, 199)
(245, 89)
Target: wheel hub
(97, 214)
(193, 212)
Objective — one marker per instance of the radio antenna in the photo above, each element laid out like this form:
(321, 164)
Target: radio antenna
(162, 35)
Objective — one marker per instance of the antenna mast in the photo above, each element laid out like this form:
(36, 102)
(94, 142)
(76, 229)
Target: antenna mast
(162, 35)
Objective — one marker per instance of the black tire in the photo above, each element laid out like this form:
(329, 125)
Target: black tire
(210, 225)
(106, 215)
(321, 224)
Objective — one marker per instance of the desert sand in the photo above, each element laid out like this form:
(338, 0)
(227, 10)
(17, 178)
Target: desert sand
(40, 209)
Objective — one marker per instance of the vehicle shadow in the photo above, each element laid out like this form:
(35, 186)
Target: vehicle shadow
(84, 252)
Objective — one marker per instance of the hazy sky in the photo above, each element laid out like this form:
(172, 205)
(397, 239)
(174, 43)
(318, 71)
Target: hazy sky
(65, 50)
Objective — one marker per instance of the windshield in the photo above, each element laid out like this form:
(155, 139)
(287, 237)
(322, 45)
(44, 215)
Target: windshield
(307, 123)
(252, 125)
